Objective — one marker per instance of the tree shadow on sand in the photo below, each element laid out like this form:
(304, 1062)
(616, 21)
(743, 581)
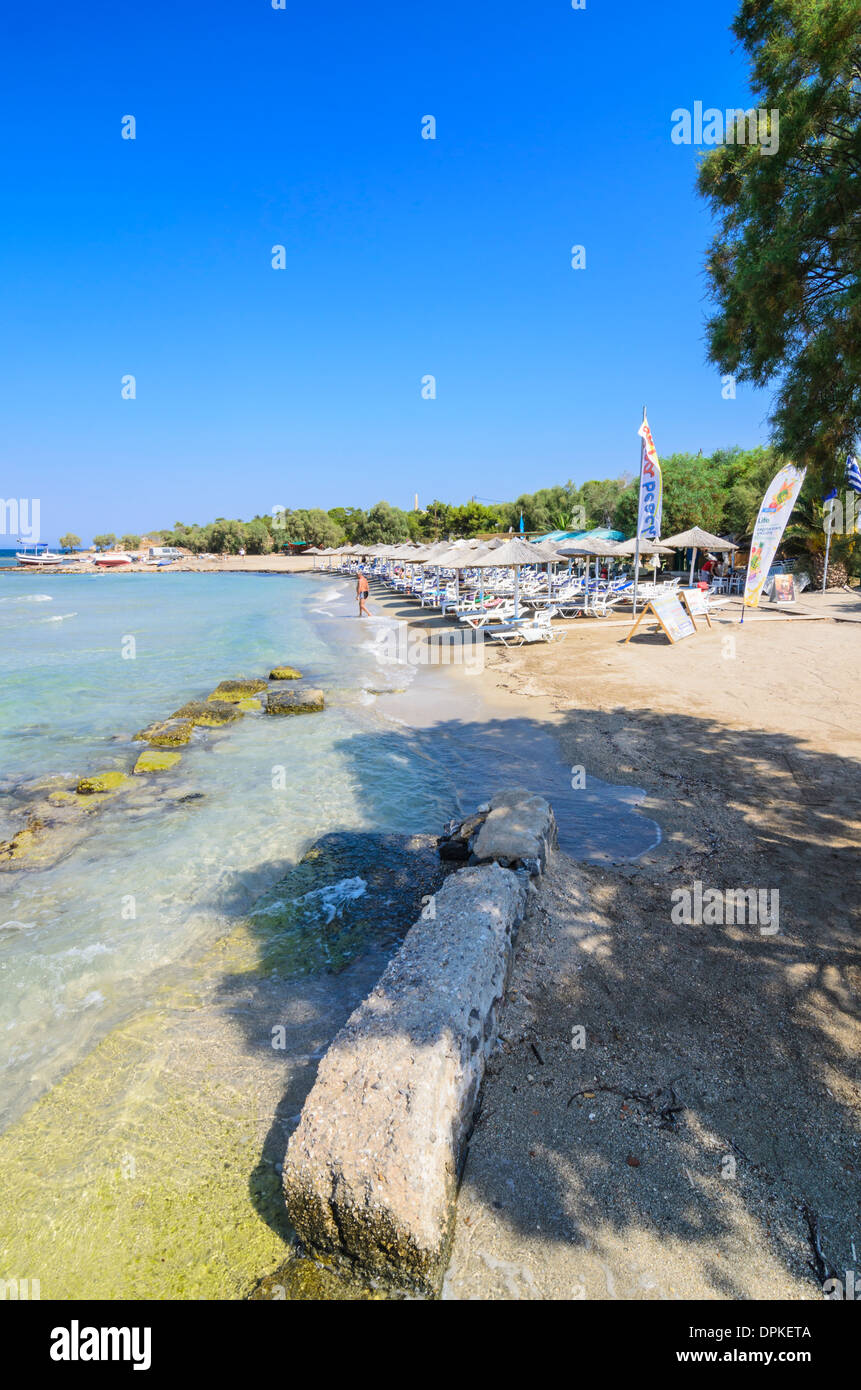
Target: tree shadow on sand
(704, 1042)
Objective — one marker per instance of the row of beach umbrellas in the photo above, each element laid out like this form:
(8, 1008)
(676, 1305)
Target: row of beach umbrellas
(515, 552)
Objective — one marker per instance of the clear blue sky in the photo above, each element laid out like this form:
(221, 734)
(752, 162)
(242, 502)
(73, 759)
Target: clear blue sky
(301, 387)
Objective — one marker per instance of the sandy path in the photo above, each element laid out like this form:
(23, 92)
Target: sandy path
(580, 1181)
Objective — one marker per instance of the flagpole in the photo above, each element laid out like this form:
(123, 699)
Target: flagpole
(827, 550)
(637, 546)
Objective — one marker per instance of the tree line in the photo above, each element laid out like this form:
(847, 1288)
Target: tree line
(721, 492)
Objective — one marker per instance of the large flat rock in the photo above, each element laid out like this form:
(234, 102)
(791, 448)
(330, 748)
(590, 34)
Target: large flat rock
(304, 701)
(519, 832)
(371, 1171)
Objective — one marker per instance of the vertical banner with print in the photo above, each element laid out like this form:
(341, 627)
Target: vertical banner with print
(651, 488)
(776, 509)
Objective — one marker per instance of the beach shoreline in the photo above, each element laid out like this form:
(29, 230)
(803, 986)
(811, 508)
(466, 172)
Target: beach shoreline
(749, 1190)
(705, 1142)
(161, 1140)
(590, 1174)
(221, 564)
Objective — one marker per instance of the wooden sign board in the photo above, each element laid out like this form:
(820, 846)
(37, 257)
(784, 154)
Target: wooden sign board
(696, 603)
(675, 620)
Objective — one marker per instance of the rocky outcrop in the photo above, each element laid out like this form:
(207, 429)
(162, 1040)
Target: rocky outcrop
(53, 826)
(170, 733)
(285, 673)
(305, 701)
(519, 831)
(236, 690)
(371, 1172)
(101, 782)
(153, 760)
(456, 845)
(516, 829)
(209, 714)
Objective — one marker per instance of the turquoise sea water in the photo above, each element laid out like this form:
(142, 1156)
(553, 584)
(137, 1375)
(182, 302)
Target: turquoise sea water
(244, 803)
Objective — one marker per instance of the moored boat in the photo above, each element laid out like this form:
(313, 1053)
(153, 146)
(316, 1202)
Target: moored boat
(38, 557)
(113, 560)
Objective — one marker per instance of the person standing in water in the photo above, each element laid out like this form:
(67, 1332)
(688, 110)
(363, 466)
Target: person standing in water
(362, 594)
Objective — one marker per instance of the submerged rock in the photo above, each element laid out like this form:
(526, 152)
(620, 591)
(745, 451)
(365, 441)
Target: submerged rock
(208, 713)
(169, 733)
(51, 830)
(24, 844)
(102, 782)
(63, 798)
(249, 706)
(456, 845)
(305, 701)
(234, 691)
(154, 761)
(285, 673)
(348, 891)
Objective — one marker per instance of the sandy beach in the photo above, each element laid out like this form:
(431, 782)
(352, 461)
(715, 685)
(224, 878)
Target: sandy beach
(219, 564)
(703, 1143)
(700, 1143)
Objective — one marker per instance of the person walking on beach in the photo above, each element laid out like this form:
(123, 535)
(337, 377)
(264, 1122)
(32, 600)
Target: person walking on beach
(362, 594)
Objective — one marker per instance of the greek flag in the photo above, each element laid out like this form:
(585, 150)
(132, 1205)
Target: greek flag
(853, 474)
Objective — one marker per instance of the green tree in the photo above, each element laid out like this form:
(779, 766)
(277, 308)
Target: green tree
(256, 537)
(130, 542)
(321, 530)
(748, 474)
(383, 525)
(784, 265)
(539, 512)
(70, 541)
(348, 520)
(436, 521)
(105, 541)
(472, 519)
(693, 496)
(225, 537)
(596, 501)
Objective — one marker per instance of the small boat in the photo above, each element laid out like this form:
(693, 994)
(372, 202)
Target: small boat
(38, 557)
(113, 560)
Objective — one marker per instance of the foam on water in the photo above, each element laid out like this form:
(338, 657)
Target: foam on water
(334, 897)
(27, 598)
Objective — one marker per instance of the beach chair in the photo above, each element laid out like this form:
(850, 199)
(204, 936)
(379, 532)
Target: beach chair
(605, 599)
(495, 611)
(526, 630)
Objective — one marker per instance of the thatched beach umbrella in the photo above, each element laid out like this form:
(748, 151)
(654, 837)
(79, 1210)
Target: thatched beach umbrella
(697, 539)
(329, 551)
(589, 547)
(546, 552)
(647, 547)
(512, 554)
(457, 556)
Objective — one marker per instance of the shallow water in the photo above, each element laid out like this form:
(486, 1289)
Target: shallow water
(141, 976)
(83, 944)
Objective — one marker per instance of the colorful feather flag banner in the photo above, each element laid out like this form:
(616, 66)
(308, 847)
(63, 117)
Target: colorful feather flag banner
(780, 497)
(651, 488)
